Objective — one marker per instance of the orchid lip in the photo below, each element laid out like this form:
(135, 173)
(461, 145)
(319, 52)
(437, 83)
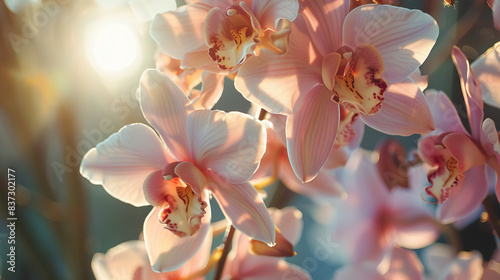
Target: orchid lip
(358, 83)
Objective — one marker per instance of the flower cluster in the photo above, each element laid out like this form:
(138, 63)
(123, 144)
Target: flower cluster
(316, 72)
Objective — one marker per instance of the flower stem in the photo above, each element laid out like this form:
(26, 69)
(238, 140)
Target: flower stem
(226, 246)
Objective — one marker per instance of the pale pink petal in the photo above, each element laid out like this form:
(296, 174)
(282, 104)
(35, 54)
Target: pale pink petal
(120, 262)
(123, 161)
(414, 225)
(360, 163)
(437, 256)
(464, 150)
(166, 107)
(201, 60)
(471, 91)
(466, 266)
(322, 187)
(289, 221)
(269, 12)
(487, 70)
(168, 252)
(231, 144)
(443, 112)
(359, 131)
(366, 270)
(403, 37)
(427, 147)
(279, 83)
(330, 66)
(466, 196)
(274, 150)
(491, 144)
(272, 270)
(155, 188)
(211, 91)
(492, 269)
(324, 20)
(146, 10)
(496, 13)
(490, 139)
(404, 111)
(199, 261)
(191, 175)
(337, 158)
(181, 31)
(405, 265)
(243, 207)
(421, 80)
(311, 132)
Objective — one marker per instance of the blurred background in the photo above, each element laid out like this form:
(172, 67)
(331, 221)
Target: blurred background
(69, 71)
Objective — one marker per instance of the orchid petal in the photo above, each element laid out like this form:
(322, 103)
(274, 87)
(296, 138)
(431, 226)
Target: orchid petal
(467, 265)
(322, 187)
(471, 91)
(181, 31)
(289, 221)
(231, 144)
(311, 133)
(466, 196)
(191, 175)
(120, 262)
(444, 113)
(211, 91)
(491, 143)
(330, 66)
(405, 264)
(365, 270)
(414, 225)
(243, 207)
(487, 70)
(278, 83)
(421, 80)
(271, 270)
(337, 158)
(464, 150)
(491, 271)
(324, 20)
(146, 10)
(201, 60)
(496, 13)
(403, 37)
(123, 161)
(269, 12)
(166, 107)
(404, 111)
(168, 252)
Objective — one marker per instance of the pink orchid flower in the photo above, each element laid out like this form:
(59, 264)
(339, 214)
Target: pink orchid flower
(242, 264)
(219, 35)
(188, 79)
(195, 151)
(459, 160)
(404, 264)
(275, 164)
(129, 261)
(374, 218)
(361, 60)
